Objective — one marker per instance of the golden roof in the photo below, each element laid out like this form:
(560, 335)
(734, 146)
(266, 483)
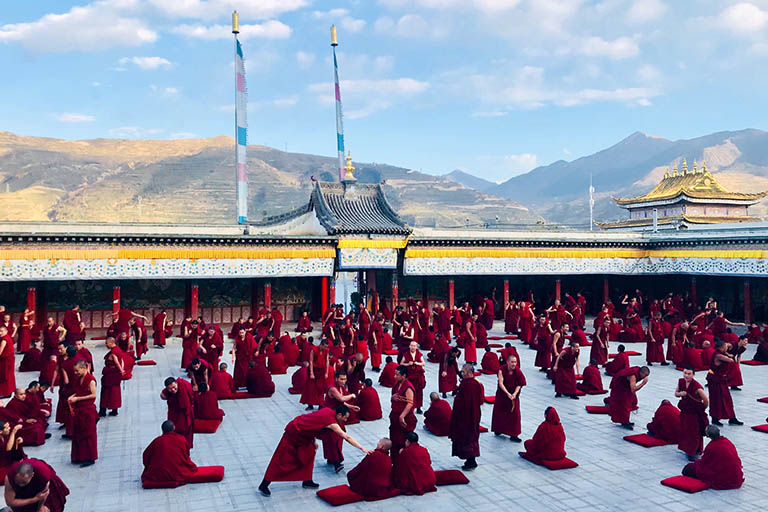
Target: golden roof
(696, 183)
(690, 219)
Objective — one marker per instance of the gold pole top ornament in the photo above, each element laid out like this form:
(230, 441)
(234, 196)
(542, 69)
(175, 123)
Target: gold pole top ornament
(334, 39)
(685, 167)
(235, 23)
(349, 168)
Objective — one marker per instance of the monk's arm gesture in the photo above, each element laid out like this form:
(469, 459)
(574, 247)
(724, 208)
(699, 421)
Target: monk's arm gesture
(348, 438)
(408, 406)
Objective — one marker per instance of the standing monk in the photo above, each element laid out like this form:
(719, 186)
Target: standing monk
(84, 417)
(693, 414)
(315, 386)
(53, 334)
(720, 401)
(72, 319)
(7, 364)
(624, 388)
(448, 371)
(401, 417)
(111, 377)
(159, 324)
(565, 378)
(181, 399)
(654, 351)
(506, 406)
(242, 354)
(465, 419)
(414, 361)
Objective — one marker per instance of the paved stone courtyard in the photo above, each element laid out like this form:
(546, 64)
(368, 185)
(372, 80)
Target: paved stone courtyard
(613, 474)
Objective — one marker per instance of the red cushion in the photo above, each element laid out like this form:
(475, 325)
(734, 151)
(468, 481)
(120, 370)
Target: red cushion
(477, 374)
(627, 352)
(764, 400)
(495, 345)
(753, 363)
(146, 362)
(761, 428)
(564, 463)
(585, 344)
(392, 494)
(597, 392)
(580, 392)
(293, 391)
(339, 495)
(483, 429)
(238, 395)
(490, 399)
(206, 426)
(597, 409)
(487, 372)
(450, 477)
(160, 485)
(207, 474)
(391, 352)
(646, 440)
(685, 483)
(579, 376)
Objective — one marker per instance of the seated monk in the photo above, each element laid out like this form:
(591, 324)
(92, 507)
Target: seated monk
(290, 350)
(32, 430)
(35, 401)
(387, 377)
(11, 446)
(48, 369)
(31, 485)
(299, 378)
(372, 477)
(277, 364)
(412, 472)
(591, 380)
(490, 362)
(719, 465)
(25, 409)
(618, 363)
(368, 402)
(666, 423)
(207, 405)
(222, 383)
(437, 419)
(166, 459)
(259, 381)
(32, 360)
(507, 351)
(708, 352)
(548, 442)
(692, 357)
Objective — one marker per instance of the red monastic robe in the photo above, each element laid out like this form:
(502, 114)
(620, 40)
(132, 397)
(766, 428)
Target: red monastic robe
(167, 462)
(548, 443)
(665, 423)
(465, 419)
(412, 472)
(372, 477)
(84, 418)
(437, 419)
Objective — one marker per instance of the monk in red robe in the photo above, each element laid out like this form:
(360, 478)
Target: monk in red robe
(299, 379)
(258, 381)
(65, 377)
(336, 395)
(31, 485)
(720, 401)
(222, 383)
(368, 402)
(412, 471)
(665, 424)
(401, 417)
(506, 406)
(294, 457)
(437, 419)
(84, 416)
(387, 377)
(591, 380)
(159, 324)
(372, 477)
(693, 416)
(654, 333)
(465, 419)
(565, 377)
(11, 446)
(166, 459)
(319, 372)
(32, 430)
(289, 350)
(490, 362)
(720, 465)
(601, 342)
(71, 322)
(414, 361)
(181, 406)
(111, 378)
(207, 404)
(623, 398)
(243, 353)
(618, 363)
(32, 360)
(304, 324)
(548, 443)
(7, 363)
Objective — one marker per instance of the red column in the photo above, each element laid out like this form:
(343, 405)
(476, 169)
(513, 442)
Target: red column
(324, 297)
(332, 291)
(254, 298)
(506, 291)
(425, 295)
(373, 304)
(606, 290)
(394, 291)
(115, 299)
(557, 289)
(193, 301)
(32, 298)
(747, 303)
(694, 291)
(450, 293)
(268, 296)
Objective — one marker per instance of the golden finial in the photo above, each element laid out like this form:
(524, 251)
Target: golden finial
(703, 166)
(334, 40)
(674, 170)
(235, 23)
(666, 173)
(349, 168)
(685, 167)
(695, 169)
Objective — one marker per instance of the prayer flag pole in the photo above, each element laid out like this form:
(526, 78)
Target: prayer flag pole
(241, 127)
(339, 122)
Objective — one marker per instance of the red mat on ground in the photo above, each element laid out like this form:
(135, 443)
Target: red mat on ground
(146, 362)
(339, 495)
(598, 392)
(761, 428)
(597, 409)
(508, 337)
(487, 372)
(752, 362)
(483, 429)
(293, 391)
(580, 392)
(646, 440)
(239, 395)
(477, 374)
(764, 400)
(564, 463)
(207, 474)
(392, 352)
(628, 352)
(685, 483)
(99, 338)
(579, 376)
(495, 345)
(585, 344)
(450, 477)
(490, 399)
(206, 426)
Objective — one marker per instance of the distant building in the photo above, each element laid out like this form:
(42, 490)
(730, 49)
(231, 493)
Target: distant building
(689, 198)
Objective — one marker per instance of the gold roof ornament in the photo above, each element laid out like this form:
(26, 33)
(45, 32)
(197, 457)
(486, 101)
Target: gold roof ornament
(674, 170)
(703, 166)
(695, 169)
(348, 169)
(685, 167)
(666, 173)
(334, 39)
(235, 23)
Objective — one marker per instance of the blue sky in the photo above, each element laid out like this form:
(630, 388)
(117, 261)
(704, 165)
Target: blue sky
(494, 87)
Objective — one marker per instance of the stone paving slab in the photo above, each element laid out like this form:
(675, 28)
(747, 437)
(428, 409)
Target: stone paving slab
(612, 473)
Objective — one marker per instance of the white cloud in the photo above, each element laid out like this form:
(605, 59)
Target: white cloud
(217, 9)
(482, 5)
(305, 59)
(492, 113)
(412, 25)
(646, 10)
(501, 168)
(271, 29)
(383, 24)
(183, 135)
(365, 97)
(743, 18)
(621, 48)
(333, 14)
(288, 101)
(171, 91)
(69, 117)
(521, 163)
(133, 132)
(352, 24)
(93, 27)
(370, 108)
(147, 63)
(649, 74)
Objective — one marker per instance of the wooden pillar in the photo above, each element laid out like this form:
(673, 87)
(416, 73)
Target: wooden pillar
(268, 295)
(32, 298)
(254, 298)
(506, 291)
(115, 299)
(450, 293)
(425, 296)
(193, 300)
(747, 303)
(694, 291)
(557, 289)
(394, 291)
(41, 312)
(606, 291)
(324, 297)
(373, 300)
(332, 291)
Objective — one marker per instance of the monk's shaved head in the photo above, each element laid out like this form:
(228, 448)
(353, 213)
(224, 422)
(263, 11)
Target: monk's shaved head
(712, 432)
(434, 396)
(168, 426)
(384, 444)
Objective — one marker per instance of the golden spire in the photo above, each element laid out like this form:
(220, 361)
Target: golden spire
(695, 169)
(685, 167)
(666, 173)
(334, 40)
(349, 168)
(674, 170)
(703, 166)
(235, 23)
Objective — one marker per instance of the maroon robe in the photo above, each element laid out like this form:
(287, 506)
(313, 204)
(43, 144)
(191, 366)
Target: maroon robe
(548, 443)
(449, 366)
(207, 407)
(222, 384)
(372, 477)
(111, 378)
(84, 418)
(259, 381)
(719, 466)
(299, 379)
(490, 363)
(591, 380)
(465, 419)
(506, 420)
(33, 433)
(597, 351)
(369, 404)
(565, 377)
(44, 476)
(244, 349)
(167, 462)
(387, 377)
(622, 399)
(617, 364)
(277, 364)
(720, 401)
(693, 418)
(399, 401)
(181, 410)
(158, 329)
(412, 472)
(32, 360)
(665, 424)
(654, 351)
(7, 368)
(71, 323)
(437, 419)
(416, 376)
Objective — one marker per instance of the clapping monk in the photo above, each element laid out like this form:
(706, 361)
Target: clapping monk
(693, 414)
(369, 403)
(548, 443)
(412, 471)
(720, 401)
(665, 424)
(591, 380)
(84, 417)
(294, 456)
(565, 377)
(111, 378)
(490, 362)
(623, 398)
(181, 399)
(401, 417)
(31, 485)
(166, 459)
(222, 383)
(387, 377)
(437, 419)
(465, 418)
(206, 404)
(720, 465)
(372, 477)
(258, 381)
(337, 395)
(506, 406)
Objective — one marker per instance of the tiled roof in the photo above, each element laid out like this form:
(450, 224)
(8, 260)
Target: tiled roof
(684, 219)
(358, 208)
